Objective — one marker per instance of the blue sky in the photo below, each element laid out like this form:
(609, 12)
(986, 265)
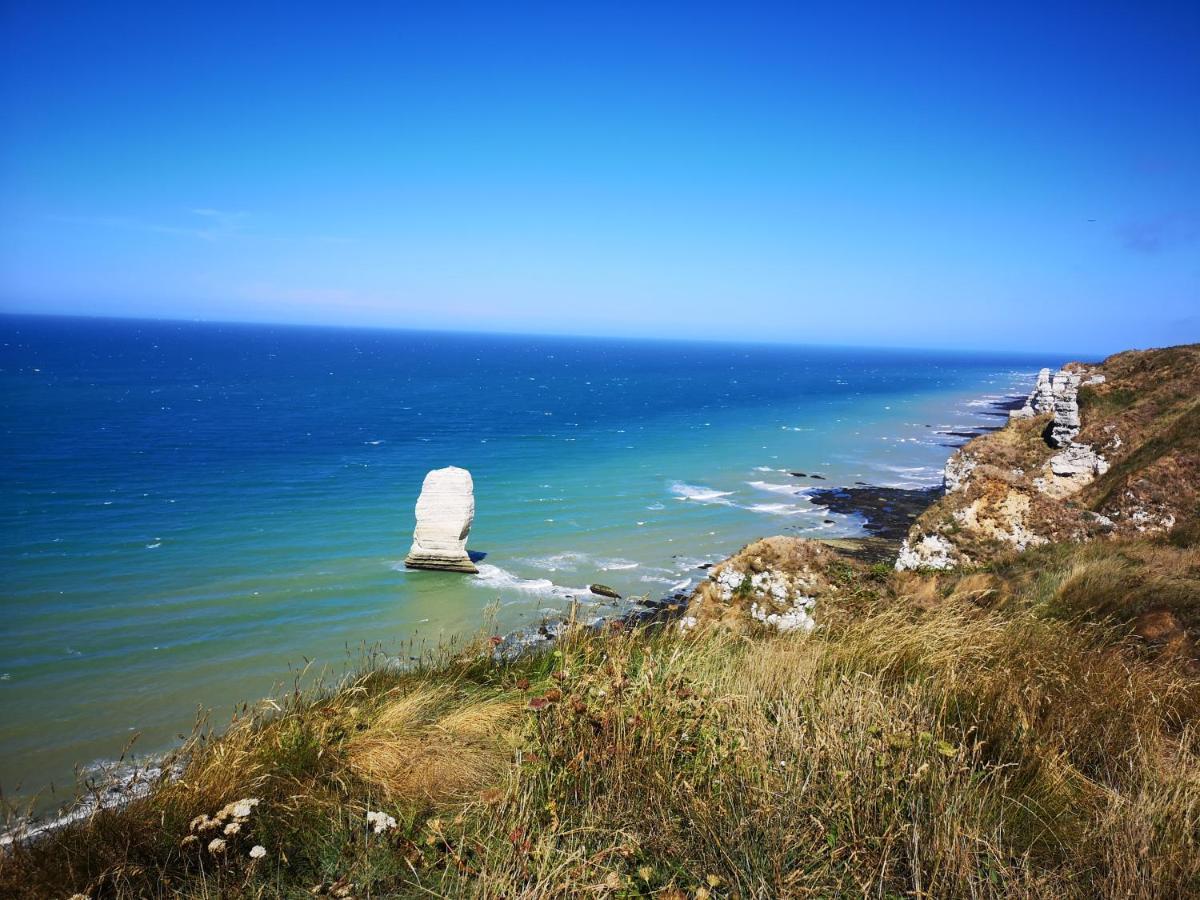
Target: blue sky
(1023, 177)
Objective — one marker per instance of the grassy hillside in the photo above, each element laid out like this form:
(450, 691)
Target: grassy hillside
(988, 733)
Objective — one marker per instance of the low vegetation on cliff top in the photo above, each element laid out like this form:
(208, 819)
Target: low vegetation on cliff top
(998, 733)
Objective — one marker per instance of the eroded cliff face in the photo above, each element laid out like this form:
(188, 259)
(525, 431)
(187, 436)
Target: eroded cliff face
(1107, 451)
(1097, 450)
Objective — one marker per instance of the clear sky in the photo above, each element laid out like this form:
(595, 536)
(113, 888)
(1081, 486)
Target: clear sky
(1025, 176)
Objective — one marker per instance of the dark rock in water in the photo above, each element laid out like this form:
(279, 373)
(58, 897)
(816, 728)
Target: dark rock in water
(962, 434)
(818, 477)
(604, 591)
(888, 512)
(705, 566)
(798, 474)
(830, 522)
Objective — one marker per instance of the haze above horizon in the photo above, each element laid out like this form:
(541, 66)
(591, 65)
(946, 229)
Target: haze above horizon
(1025, 178)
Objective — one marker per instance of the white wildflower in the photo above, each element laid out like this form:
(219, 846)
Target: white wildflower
(258, 851)
(243, 808)
(233, 828)
(216, 845)
(380, 822)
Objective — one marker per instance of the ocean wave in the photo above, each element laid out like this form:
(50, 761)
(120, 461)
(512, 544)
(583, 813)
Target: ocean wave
(567, 561)
(571, 560)
(655, 579)
(700, 493)
(498, 579)
(913, 476)
(790, 489)
(783, 509)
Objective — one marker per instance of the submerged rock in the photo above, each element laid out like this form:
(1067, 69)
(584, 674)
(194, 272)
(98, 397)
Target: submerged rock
(445, 511)
(604, 590)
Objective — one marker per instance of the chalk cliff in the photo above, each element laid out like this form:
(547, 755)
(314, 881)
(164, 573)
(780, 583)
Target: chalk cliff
(445, 511)
(1107, 449)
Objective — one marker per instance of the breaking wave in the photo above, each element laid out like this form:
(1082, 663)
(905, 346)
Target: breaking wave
(790, 489)
(700, 493)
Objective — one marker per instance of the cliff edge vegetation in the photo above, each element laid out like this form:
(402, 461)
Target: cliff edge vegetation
(1018, 720)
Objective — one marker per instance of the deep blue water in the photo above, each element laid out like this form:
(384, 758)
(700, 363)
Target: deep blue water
(188, 508)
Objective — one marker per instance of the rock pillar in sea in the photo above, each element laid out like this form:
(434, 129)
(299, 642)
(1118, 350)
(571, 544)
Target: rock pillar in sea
(445, 511)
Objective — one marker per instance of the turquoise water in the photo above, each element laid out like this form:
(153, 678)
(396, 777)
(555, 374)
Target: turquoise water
(190, 509)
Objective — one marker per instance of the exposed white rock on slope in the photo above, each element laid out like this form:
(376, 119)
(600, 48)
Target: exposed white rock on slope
(783, 606)
(931, 552)
(1078, 459)
(1059, 394)
(445, 511)
(1066, 408)
(1040, 400)
(958, 469)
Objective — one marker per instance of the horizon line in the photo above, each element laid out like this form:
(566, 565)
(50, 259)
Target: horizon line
(641, 338)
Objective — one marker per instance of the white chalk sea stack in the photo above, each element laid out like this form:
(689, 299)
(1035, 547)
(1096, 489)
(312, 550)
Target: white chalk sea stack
(445, 511)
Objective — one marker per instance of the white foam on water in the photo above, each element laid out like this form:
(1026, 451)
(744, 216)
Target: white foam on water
(700, 493)
(780, 509)
(498, 579)
(567, 561)
(913, 476)
(774, 488)
(571, 561)
(655, 579)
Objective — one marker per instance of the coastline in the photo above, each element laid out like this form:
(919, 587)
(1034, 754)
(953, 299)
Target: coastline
(793, 666)
(885, 513)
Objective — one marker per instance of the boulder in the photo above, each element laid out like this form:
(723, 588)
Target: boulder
(604, 590)
(445, 511)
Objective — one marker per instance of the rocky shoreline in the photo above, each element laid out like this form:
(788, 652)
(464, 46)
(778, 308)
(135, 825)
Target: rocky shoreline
(888, 513)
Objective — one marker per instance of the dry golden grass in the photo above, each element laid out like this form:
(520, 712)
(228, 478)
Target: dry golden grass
(431, 745)
(986, 741)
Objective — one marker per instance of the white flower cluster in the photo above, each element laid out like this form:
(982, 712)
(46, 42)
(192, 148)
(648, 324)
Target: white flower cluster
(258, 851)
(380, 822)
(229, 819)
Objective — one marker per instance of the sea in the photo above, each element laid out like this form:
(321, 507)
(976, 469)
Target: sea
(193, 514)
